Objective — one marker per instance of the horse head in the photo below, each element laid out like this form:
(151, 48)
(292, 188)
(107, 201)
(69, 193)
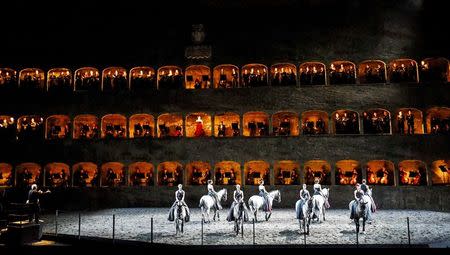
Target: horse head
(276, 195)
(222, 194)
(326, 192)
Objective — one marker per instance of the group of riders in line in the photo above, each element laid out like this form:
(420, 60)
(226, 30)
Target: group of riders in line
(362, 190)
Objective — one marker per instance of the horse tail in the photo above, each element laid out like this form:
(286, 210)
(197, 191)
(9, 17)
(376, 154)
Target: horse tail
(202, 203)
(250, 205)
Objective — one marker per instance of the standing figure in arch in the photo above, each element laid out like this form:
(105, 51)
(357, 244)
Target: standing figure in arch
(179, 198)
(265, 195)
(213, 194)
(410, 122)
(221, 130)
(401, 122)
(199, 131)
(238, 196)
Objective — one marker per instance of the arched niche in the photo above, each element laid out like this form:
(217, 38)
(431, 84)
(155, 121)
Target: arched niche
(30, 127)
(376, 121)
(402, 71)
(348, 172)
(283, 74)
(170, 125)
(57, 175)
(170, 173)
(197, 77)
(198, 124)
(85, 174)
(285, 124)
(438, 120)
(408, 121)
(256, 124)
(226, 76)
(8, 127)
(87, 79)
(28, 174)
(380, 172)
(440, 172)
(32, 79)
(227, 173)
(372, 71)
(312, 73)
(57, 127)
(342, 72)
(59, 80)
(6, 175)
(170, 77)
(345, 122)
(314, 122)
(112, 174)
(227, 124)
(255, 171)
(412, 172)
(198, 173)
(287, 172)
(141, 125)
(142, 78)
(114, 126)
(8, 79)
(435, 70)
(114, 79)
(254, 75)
(85, 126)
(317, 169)
(141, 174)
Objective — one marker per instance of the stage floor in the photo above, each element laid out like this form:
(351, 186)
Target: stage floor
(388, 227)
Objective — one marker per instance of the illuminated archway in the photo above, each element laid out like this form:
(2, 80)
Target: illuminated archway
(342, 72)
(348, 172)
(112, 174)
(285, 124)
(8, 79)
(57, 127)
(114, 126)
(372, 71)
(198, 125)
(141, 125)
(287, 172)
(255, 171)
(170, 77)
(197, 77)
(440, 172)
(85, 174)
(317, 169)
(170, 125)
(227, 173)
(312, 73)
(376, 121)
(345, 122)
(30, 127)
(435, 69)
(408, 121)
(8, 128)
(6, 174)
(142, 78)
(403, 70)
(380, 172)
(198, 173)
(170, 173)
(438, 120)
(28, 174)
(141, 174)
(254, 75)
(412, 172)
(87, 79)
(227, 124)
(114, 79)
(226, 76)
(32, 79)
(283, 74)
(256, 124)
(315, 122)
(85, 126)
(57, 175)
(59, 79)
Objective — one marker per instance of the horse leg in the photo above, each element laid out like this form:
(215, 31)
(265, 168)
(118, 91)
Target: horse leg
(255, 213)
(357, 224)
(364, 224)
(323, 212)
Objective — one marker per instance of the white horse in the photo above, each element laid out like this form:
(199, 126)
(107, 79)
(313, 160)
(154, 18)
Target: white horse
(319, 204)
(180, 216)
(256, 202)
(207, 204)
(306, 211)
(362, 209)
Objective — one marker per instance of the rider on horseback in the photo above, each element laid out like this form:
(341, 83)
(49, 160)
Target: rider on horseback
(238, 196)
(304, 198)
(365, 189)
(318, 191)
(358, 193)
(265, 195)
(179, 198)
(213, 194)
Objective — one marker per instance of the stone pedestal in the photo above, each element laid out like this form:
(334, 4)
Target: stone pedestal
(18, 234)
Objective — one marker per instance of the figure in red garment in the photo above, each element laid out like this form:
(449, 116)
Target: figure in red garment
(199, 131)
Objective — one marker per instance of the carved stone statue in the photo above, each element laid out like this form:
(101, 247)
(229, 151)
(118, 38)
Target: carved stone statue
(198, 33)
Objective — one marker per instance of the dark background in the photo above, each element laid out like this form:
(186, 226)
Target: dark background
(130, 33)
